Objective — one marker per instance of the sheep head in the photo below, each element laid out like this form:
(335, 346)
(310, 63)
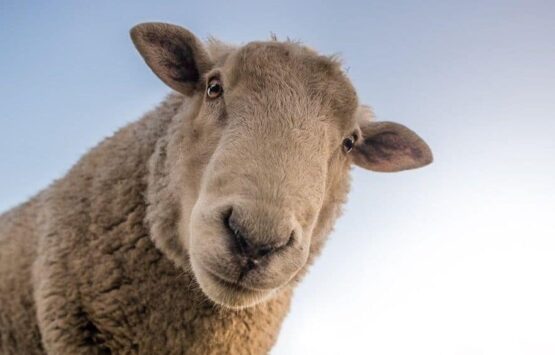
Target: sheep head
(273, 131)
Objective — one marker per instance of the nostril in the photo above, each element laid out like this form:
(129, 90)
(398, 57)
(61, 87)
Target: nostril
(241, 242)
(242, 245)
(264, 250)
(291, 239)
(239, 239)
(227, 219)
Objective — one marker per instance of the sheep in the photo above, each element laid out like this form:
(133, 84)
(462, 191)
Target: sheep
(187, 231)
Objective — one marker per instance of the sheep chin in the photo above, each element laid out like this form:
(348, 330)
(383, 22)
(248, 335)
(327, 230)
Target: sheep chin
(226, 294)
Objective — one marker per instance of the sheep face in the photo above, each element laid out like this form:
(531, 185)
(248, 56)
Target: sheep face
(272, 132)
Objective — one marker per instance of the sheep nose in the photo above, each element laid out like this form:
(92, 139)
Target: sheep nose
(252, 246)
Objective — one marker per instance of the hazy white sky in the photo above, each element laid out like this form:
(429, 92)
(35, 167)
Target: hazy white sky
(456, 258)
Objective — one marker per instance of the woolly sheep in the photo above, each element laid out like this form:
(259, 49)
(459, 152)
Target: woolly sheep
(186, 231)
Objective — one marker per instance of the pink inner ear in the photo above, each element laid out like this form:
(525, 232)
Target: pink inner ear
(390, 151)
(388, 146)
(174, 57)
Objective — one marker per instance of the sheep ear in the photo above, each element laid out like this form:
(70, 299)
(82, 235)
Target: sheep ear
(174, 54)
(388, 146)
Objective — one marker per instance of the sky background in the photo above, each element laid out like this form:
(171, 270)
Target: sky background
(456, 258)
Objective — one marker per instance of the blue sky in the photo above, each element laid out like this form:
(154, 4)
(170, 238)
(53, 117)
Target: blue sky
(456, 258)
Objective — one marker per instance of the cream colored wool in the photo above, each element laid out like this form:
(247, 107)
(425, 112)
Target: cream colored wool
(131, 252)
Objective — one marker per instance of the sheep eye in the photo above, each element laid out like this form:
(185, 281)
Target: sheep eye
(214, 88)
(349, 143)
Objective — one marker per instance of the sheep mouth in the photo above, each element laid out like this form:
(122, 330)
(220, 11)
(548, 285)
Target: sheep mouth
(235, 285)
(229, 294)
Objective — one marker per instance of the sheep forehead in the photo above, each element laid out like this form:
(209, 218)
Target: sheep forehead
(285, 70)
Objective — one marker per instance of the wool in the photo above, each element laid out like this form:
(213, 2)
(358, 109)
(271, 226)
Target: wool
(110, 258)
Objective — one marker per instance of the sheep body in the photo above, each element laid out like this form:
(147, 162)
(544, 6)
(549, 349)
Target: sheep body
(79, 273)
(176, 236)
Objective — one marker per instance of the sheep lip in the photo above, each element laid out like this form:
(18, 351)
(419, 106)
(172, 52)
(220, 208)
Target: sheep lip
(234, 285)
